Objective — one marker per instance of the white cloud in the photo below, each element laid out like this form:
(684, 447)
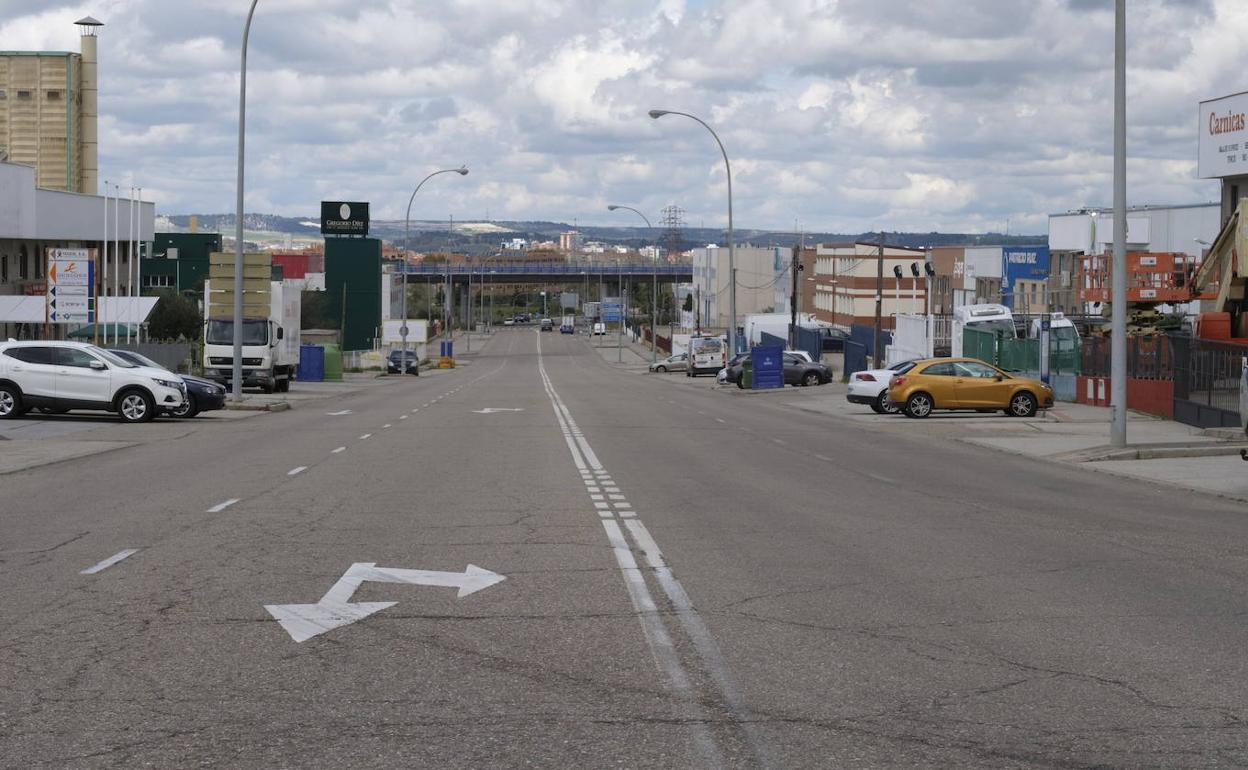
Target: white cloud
(847, 115)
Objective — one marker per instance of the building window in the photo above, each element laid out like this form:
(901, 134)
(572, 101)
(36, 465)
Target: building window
(23, 266)
(4, 268)
(54, 96)
(23, 94)
(158, 281)
(3, 94)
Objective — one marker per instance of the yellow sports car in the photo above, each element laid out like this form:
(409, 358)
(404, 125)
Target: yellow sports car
(966, 383)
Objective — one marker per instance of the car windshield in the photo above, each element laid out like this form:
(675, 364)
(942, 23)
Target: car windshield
(1002, 327)
(1065, 333)
(112, 358)
(137, 358)
(221, 332)
(901, 367)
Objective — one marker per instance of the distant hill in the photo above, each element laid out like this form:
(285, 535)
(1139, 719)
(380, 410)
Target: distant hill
(475, 235)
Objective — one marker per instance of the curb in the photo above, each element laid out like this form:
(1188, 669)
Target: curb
(1162, 452)
(280, 406)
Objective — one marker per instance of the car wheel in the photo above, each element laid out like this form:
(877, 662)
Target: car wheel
(661, 369)
(919, 405)
(10, 402)
(188, 409)
(810, 378)
(886, 406)
(875, 407)
(1023, 404)
(135, 406)
(741, 383)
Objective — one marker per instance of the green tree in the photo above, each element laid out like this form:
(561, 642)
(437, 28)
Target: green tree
(175, 317)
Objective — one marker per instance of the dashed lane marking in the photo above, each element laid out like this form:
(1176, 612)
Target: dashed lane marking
(222, 506)
(339, 449)
(365, 436)
(110, 561)
(296, 471)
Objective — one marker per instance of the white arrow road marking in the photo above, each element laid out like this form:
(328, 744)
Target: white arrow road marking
(110, 561)
(304, 621)
(338, 414)
(222, 506)
(492, 410)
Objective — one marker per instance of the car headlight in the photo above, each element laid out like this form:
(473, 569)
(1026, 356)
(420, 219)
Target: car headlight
(166, 383)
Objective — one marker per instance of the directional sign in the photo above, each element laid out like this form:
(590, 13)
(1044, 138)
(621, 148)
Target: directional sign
(71, 273)
(492, 410)
(612, 312)
(304, 621)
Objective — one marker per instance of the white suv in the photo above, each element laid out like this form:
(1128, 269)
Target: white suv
(59, 376)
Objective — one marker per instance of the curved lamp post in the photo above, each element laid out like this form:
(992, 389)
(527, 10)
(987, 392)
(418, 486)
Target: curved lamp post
(236, 390)
(407, 222)
(732, 251)
(654, 306)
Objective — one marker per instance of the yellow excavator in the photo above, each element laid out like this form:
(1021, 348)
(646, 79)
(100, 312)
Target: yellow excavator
(1225, 270)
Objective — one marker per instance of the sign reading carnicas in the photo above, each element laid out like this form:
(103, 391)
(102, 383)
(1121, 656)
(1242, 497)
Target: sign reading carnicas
(344, 218)
(1223, 145)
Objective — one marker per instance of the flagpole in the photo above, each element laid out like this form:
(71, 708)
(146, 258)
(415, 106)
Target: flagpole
(102, 291)
(116, 255)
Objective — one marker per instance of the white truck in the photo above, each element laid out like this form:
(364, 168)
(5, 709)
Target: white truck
(270, 344)
(775, 324)
(996, 319)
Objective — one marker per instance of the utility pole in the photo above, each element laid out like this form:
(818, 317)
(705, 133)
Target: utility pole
(1118, 342)
(879, 298)
(795, 267)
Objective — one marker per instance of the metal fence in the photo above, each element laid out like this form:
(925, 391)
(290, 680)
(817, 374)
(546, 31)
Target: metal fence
(855, 358)
(1150, 357)
(1207, 378)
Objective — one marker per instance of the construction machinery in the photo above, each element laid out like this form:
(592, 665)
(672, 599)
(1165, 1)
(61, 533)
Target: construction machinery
(1223, 277)
(1153, 279)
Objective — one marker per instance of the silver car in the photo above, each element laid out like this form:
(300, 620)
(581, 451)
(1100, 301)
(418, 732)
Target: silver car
(676, 363)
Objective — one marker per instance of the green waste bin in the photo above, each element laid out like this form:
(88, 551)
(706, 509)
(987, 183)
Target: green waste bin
(333, 363)
(747, 375)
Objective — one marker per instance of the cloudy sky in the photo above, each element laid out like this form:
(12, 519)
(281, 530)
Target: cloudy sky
(838, 115)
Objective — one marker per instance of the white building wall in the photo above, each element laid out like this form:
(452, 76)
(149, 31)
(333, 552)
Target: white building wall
(983, 262)
(1161, 228)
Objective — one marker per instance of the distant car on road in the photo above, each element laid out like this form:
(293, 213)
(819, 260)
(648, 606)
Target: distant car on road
(201, 395)
(599, 329)
(871, 387)
(966, 383)
(548, 325)
(509, 322)
(394, 362)
(676, 363)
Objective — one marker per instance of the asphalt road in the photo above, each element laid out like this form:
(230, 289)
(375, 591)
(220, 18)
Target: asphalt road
(692, 579)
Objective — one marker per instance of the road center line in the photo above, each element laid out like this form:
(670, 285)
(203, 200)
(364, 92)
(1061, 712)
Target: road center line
(222, 506)
(339, 449)
(110, 561)
(366, 435)
(296, 471)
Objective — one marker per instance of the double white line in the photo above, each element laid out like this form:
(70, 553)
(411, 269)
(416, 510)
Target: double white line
(657, 637)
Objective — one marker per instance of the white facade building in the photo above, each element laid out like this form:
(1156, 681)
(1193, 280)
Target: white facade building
(33, 220)
(1149, 228)
(712, 279)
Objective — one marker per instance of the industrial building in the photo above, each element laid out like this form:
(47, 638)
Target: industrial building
(756, 278)
(847, 276)
(49, 113)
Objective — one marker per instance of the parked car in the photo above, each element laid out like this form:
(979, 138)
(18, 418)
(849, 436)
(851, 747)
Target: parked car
(201, 395)
(798, 370)
(831, 339)
(871, 387)
(61, 376)
(732, 372)
(966, 383)
(509, 322)
(394, 362)
(676, 363)
(548, 325)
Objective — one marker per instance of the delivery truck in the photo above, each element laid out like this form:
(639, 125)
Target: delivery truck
(270, 343)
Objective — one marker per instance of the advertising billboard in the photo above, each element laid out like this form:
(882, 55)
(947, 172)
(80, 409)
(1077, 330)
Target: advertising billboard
(1222, 149)
(1026, 263)
(344, 218)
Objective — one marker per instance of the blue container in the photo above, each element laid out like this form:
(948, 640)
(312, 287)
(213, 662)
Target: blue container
(447, 349)
(311, 363)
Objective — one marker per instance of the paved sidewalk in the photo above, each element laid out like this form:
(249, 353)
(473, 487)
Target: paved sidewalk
(1159, 451)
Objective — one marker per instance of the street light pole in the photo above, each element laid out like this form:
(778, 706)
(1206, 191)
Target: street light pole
(407, 244)
(237, 370)
(654, 302)
(1118, 342)
(732, 249)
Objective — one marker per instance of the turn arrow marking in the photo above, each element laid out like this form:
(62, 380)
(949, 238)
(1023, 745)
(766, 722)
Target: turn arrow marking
(304, 621)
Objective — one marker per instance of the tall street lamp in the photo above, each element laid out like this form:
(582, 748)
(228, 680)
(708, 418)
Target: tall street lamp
(732, 250)
(654, 307)
(237, 370)
(407, 223)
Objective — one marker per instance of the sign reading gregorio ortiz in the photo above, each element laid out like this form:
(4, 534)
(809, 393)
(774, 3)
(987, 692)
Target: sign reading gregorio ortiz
(344, 218)
(1223, 145)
